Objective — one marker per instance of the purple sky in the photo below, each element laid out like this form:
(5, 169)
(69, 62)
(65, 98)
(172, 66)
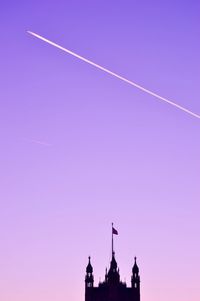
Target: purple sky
(80, 149)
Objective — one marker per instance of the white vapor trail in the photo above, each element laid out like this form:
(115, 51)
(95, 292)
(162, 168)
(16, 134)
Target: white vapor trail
(115, 75)
(41, 142)
(38, 142)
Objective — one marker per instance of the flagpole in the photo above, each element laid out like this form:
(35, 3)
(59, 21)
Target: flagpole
(112, 239)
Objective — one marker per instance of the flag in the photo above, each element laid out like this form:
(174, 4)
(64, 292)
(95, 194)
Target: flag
(114, 231)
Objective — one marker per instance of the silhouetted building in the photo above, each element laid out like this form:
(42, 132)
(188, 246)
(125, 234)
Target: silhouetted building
(112, 289)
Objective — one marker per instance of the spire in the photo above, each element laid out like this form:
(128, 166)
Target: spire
(135, 268)
(89, 268)
(113, 263)
(113, 273)
(135, 279)
(89, 279)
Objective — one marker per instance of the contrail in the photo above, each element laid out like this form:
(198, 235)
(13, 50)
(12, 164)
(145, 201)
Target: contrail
(41, 142)
(38, 142)
(115, 75)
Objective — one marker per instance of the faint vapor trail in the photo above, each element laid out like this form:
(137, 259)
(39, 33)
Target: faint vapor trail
(39, 142)
(115, 75)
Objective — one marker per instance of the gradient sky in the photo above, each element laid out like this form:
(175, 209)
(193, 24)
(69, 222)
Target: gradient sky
(81, 149)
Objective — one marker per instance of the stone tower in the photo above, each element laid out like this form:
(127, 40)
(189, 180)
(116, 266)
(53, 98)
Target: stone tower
(112, 288)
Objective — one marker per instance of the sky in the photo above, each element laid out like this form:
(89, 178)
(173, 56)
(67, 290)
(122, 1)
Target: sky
(81, 149)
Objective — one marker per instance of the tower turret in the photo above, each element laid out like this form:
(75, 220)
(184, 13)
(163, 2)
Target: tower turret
(112, 288)
(135, 281)
(89, 279)
(113, 273)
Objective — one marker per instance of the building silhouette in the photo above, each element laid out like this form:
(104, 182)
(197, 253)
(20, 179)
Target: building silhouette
(112, 288)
